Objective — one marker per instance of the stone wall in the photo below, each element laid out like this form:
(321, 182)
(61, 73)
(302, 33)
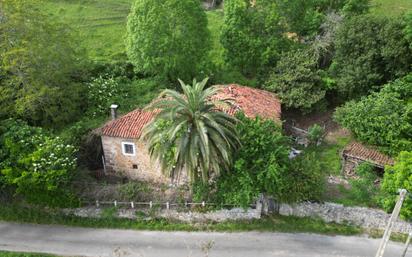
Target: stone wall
(330, 212)
(184, 216)
(121, 164)
(349, 166)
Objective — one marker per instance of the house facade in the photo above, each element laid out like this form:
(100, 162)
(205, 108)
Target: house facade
(126, 154)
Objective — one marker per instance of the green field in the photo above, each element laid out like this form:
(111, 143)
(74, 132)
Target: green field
(391, 7)
(101, 24)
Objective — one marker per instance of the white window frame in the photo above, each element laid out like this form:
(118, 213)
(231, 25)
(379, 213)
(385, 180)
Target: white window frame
(128, 143)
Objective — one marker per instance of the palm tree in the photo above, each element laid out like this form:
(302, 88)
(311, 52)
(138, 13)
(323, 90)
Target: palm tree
(190, 134)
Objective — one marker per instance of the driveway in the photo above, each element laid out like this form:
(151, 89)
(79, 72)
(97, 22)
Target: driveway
(70, 241)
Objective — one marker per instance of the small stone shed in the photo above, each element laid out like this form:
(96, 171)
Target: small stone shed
(126, 154)
(356, 153)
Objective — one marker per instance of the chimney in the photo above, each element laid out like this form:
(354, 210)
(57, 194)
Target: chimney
(113, 108)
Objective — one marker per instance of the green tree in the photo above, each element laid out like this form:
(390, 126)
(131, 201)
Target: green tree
(297, 81)
(39, 66)
(189, 135)
(408, 28)
(370, 51)
(302, 17)
(398, 177)
(383, 119)
(167, 37)
(253, 35)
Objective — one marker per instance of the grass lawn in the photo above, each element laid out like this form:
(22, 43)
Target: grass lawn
(391, 7)
(18, 254)
(328, 155)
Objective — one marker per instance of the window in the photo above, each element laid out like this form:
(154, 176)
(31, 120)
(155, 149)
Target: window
(128, 148)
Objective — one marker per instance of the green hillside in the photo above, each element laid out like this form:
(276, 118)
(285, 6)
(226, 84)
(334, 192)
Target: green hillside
(101, 23)
(391, 7)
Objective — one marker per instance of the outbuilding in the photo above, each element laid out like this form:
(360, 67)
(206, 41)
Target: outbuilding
(356, 153)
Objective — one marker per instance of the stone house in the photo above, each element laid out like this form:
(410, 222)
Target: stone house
(356, 153)
(125, 154)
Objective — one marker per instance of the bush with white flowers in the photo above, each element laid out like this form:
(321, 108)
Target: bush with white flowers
(102, 91)
(38, 166)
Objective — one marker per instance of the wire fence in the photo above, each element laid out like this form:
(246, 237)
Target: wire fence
(154, 204)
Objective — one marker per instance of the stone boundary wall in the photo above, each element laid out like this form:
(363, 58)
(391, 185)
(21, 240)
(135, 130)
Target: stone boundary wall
(185, 216)
(331, 212)
(328, 212)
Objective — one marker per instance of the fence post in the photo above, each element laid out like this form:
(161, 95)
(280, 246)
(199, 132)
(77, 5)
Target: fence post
(132, 204)
(115, 203)
(167, 205)
(150, 204)
(97, 204)
(186, 204)
(203, 204)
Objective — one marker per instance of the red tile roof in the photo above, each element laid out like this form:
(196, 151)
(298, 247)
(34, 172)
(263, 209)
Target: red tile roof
(364, 153)
(129, 125)
(253, 102)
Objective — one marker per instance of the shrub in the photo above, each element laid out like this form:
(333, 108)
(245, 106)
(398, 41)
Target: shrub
(304, 181)
(263, 155)
(398, 177)
(315, 134)
(363, 189)
(262, 166)
(38, 166)
(167, 37)
(101, 92)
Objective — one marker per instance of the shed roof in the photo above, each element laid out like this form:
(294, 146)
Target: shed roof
(253, 102)
(368, 154)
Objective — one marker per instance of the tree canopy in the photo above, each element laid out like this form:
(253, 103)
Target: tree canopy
(395, 178)
(167, 37)
(297, 80)
(39, 63)
(383, 119)
(252, 35)
(370, 51)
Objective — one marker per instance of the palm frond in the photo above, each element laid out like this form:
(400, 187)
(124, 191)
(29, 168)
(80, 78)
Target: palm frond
(189, 134)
